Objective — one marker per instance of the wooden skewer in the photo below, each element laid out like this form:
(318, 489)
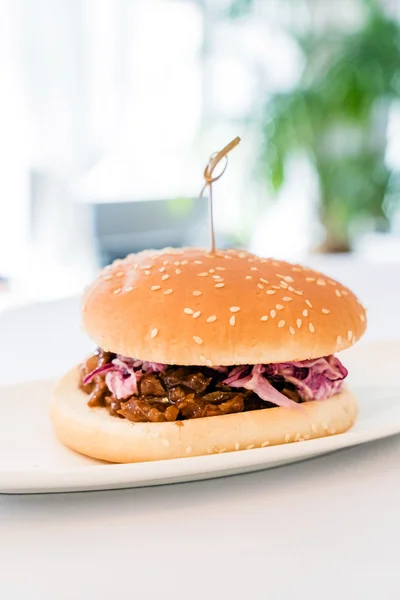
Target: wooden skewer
(210, 179)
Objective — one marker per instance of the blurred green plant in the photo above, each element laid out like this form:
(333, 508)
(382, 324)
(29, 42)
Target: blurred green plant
(338, 115)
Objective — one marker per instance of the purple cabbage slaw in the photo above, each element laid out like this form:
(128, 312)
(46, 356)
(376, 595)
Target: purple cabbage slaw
(315, 379)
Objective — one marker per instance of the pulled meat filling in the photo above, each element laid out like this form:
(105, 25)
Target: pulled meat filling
(174, 394)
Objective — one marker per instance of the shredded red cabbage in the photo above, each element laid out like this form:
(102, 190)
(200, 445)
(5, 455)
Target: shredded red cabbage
(252, 378)
(102, 369)
(315, 379)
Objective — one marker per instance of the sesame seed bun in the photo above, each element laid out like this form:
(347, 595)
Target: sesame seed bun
(189, 307)
(93, 432)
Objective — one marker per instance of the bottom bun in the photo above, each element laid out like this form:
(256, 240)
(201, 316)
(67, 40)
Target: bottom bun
(94, 432)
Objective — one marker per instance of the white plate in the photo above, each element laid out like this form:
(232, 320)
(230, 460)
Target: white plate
(32, 460)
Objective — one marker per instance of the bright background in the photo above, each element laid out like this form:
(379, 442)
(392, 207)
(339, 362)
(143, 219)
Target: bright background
(110, 109)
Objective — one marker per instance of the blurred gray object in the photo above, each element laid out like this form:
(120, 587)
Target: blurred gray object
(120, 228)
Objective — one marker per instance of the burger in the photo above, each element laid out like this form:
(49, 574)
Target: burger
(206, 352)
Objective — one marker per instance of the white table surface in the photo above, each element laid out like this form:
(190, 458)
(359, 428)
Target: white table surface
(327, 528)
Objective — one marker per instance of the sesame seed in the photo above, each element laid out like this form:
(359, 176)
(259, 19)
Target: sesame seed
(264, 318)
(260, 285)
(321, 282)
(290, 288)
(311, 327)
(211, 270)
(281, 324)
(119, 274)
(338, 294)
(283, 284)
(237, 446)
(219, 285)
(253, 269)
(250, 447)
(162, 269)
(310, 278)
(154, 288)
(232, 320)
(154, 332)
(264, 444)
(305, 313)
(188, 450)
(165, 442)
(167, 292)
(339, 339)
(362, 318)
(291, 330)
(279, 307)
(298, 323)
(147, 272)
(275, 287)
(204, 274)
(298, 292)
(196, 293)
(107, 277)
(313, 427)
(178, 271)
(273, 314)
(128, 289)
(297, 269)
(211, 319)
(248, 277)
(263, 280)
(220, 268)
(177, 263)
(165, 277)
(146, 267)
(206, 360)
(234, 308)
(288, 278)
(287, 298)
(198, 262)
(196, 314)
(287, 437)
(308, 303)
(197, 339)
(270, 292)
(184, 262)
(188, 311)
(325, 311)
(349, 335)
(117, 291)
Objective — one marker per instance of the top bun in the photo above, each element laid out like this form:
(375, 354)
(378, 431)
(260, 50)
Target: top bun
(187, 306)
